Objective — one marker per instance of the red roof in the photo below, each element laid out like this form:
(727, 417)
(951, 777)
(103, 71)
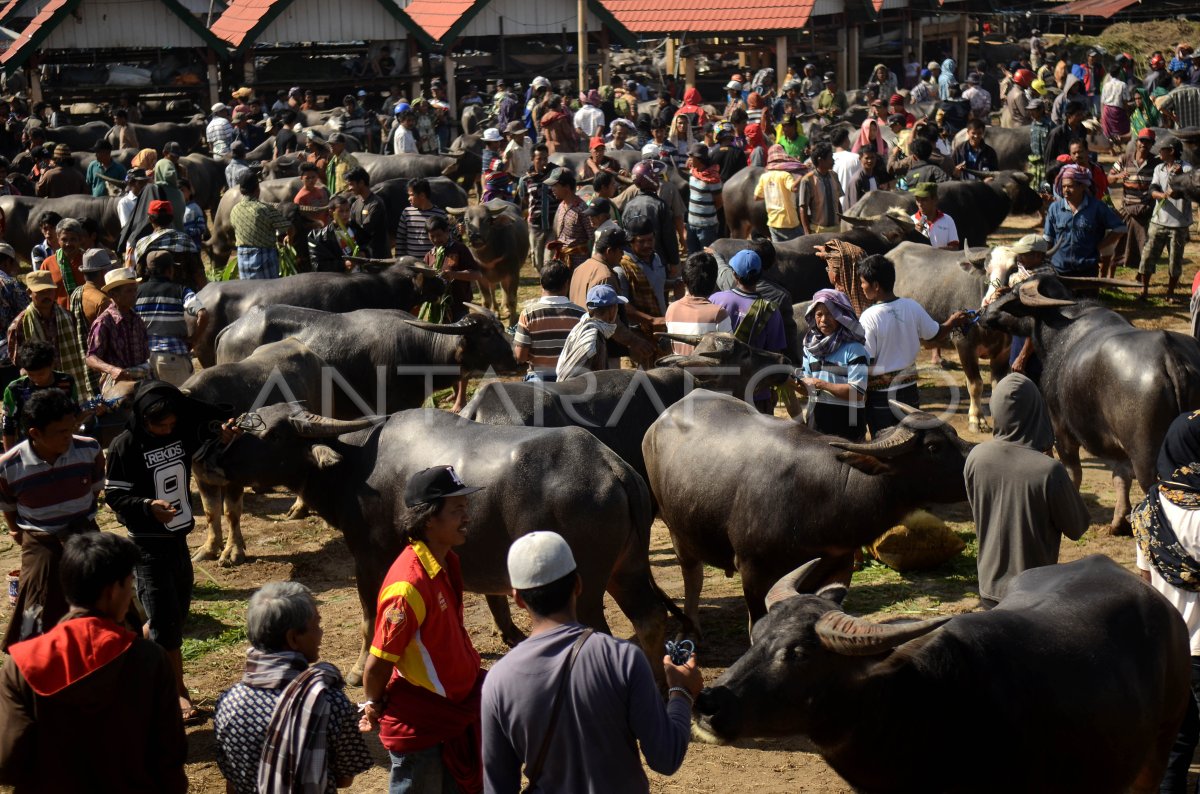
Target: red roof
(710, 16)
(33, 34)
(436, 17)
(239, 19)
(1093, 8)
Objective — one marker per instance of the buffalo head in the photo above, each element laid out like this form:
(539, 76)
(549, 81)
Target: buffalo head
(894, 226)
(480, 222)
(482, 344)
(1015, 185)
(1043, 295)
(722, 362)
(280, 449)
(921, 455)
(805, 654)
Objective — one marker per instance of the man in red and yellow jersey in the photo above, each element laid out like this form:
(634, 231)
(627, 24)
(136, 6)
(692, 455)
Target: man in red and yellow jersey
(422, 679)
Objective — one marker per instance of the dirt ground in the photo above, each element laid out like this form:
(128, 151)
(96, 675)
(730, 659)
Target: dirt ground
(308, 551)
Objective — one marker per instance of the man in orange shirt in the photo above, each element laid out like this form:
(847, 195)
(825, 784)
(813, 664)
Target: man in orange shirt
(64, 265)
(422, 678)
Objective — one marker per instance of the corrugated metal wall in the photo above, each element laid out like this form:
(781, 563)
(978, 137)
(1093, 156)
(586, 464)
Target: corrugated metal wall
(334, 20)
(527, 18)
(122, 23)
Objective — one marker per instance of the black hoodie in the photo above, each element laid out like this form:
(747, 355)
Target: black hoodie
(143, 467)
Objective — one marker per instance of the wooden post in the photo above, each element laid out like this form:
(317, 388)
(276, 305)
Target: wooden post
(855, 40)
(451, 86)
(414, 69)
(670, 55)
(605, 58)
(581, 44)
(781, 59)
(214, 89)
(843, 75)
(964, 36)
(689, 71)
(919, 36)
(35, 84)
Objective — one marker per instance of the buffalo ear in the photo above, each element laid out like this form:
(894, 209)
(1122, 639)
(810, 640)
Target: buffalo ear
(834, 592)
(864, 463)
(324, 457)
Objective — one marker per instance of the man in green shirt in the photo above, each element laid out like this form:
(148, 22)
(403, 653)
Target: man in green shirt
(831, 102)
(255, 226)
(103, 166)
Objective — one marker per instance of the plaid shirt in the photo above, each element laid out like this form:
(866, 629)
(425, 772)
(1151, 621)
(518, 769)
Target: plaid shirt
(642, 295)
(574, 230)
(164, 240)
(13, 300)
(255, 223)
(59, 331)
(119, 339)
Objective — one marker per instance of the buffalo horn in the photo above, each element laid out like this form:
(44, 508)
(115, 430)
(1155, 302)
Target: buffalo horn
(790, 584)
(477, 309)
(921, 420)
(975, 172)
(438, 328)
(494, 211)
(854, 636)
(429, 271)
(894, 443)
(456, 211)
(309, 425)
(1021, 177)
(687, 339)
(860, 220)
(1027, 293)
(1088, 281)
(687, 361)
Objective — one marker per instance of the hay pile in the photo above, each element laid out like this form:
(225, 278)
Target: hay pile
(920, 542)
(1139, 39)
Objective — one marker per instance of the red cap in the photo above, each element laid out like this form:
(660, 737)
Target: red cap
(160, 207)
(896, 100)
(1147, 134)
(597, 142)
(1023, 78)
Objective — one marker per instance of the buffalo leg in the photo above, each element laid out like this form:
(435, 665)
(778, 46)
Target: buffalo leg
(590, 606)
(968, 357)
(212, 498)
(693, 581)
(630, 587)
(509, 282)
(502, 615)
(234, 552)
(1068, 453)
(1122, 482)
(298, 509)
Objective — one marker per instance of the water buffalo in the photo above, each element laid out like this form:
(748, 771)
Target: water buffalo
(1188, 138)
(573, 161)
(618, 406)
(462, 167)
(744, 214)
(944, 282)
(801, 272)
(394, 194)
(723, 508)
(280, 192)
(499, 238)
(21, 215)
(207, 176)
(367, 347)
(1188, 184)
(1110, 387)
(284, 371)
(560, 479)
(1012, 146)
(80, 137)
(398, 286)
(978, 208)
(1084, 643)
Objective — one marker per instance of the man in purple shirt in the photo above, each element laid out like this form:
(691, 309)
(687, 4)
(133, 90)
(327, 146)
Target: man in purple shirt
(756, 321)
(609, 706)
(118, 346)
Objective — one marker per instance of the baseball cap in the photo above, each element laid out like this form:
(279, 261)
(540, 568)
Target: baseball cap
(1148, 134)
(220, 107)
(596, 143)
(897, 118)
(538, 559)
(560, 176)
(613, 237)
(603, 295)
(598, 206)
(95, 260)
(436, 482)
(745, 263)
(137, 175)
(1030, 243)
(925, 190)
(400, 108)
(933, 65)
(160, 207)
(896, 99)
(830, 77)
(651, 151)
(172, 147)
(492, 135)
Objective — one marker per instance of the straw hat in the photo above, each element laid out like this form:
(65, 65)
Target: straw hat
(40, 281)
(118, 278)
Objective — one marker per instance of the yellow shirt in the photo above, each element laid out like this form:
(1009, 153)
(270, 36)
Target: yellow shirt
(778, 190)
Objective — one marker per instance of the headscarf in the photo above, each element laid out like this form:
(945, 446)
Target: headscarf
(779, 160)
(849, 329)
(144, 159)
(1179, 483)
(843, 258)
(754, 101)
(1019, 413)
(1147, 115)
(1076, 173)
(592, 97)
(755, 139)
(864, 138)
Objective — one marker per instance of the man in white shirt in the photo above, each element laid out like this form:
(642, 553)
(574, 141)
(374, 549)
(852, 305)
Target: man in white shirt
(931, 221)
(136, 179)
(845, 165)
(894, 328)
(403, 139)
(589, 119)
(518, 154)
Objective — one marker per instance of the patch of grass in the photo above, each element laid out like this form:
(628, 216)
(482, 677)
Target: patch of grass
(195, 648)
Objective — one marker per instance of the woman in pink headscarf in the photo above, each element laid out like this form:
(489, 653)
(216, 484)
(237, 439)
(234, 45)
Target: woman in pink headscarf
(868, 136)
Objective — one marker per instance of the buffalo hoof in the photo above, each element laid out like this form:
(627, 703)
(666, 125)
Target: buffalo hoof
(979, 425)
(204, 553)
(512, 638)
(354, 677)
(297, 510)
(232, 555)
(1121, 529)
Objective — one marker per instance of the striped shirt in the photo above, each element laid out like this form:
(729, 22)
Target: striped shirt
(695, 315)
(1184, 102)
(50, 497)
(412, 239)
(702, 209)
(543, 328)
(162, 306)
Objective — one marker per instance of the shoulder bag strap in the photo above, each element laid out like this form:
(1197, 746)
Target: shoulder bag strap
(534, 770)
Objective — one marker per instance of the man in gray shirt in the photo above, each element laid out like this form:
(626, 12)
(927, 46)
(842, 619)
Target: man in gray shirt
(610, 705)
(1022, 499)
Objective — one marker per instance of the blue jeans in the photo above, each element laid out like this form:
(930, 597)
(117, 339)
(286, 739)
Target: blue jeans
(421, 772)
(1175, 779)
(784, 235)
(700, 237)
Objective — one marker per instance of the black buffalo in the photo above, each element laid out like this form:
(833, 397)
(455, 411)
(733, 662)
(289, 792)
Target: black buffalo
(1111, 388)
(718, 469)
(1082, 669)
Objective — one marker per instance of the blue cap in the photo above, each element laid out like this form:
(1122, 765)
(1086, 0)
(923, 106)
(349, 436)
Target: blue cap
(745, 263)
(926, 73)
(603, 295)
(401, 107)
